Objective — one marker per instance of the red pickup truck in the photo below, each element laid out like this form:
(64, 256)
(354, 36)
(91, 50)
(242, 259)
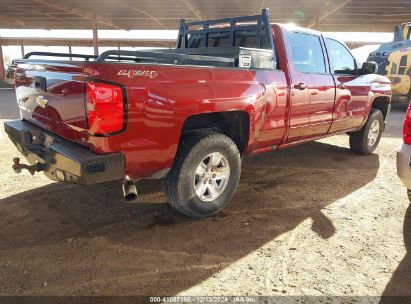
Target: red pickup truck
(232, 87)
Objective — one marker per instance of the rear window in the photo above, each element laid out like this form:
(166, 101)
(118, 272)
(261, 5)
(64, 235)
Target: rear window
(246, 39)
(307, 53)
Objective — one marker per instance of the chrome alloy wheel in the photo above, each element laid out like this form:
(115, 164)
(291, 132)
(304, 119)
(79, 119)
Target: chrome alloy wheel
(373, 133)
(211, 177)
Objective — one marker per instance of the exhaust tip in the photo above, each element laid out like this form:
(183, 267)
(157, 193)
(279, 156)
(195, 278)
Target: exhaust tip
(131, 197)
(130, 191)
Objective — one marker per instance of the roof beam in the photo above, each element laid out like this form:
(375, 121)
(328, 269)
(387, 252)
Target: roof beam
(61, 20)
(194, 9)
(326, 12)
(144, 13)
(79, 12)
(14, 21)
(53, 17)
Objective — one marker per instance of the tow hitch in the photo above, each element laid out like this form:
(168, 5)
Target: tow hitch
(37, 167)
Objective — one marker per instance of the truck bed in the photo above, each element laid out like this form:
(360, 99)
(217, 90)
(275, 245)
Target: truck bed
(234, 57)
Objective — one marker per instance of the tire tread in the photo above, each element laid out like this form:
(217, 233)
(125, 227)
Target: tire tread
(190, 143)
(358, 140)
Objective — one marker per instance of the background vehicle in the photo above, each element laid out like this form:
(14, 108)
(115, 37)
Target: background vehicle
(10, 70)
(189, 114)
(394, 61)
(404, 154)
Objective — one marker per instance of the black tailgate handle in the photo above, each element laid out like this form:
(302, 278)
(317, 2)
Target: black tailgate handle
(40, 83)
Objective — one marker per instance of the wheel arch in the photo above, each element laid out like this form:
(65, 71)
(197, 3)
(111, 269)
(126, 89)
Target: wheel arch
(234, 124)
(382, 103)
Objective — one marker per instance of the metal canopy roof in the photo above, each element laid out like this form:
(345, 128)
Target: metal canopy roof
(325, 15)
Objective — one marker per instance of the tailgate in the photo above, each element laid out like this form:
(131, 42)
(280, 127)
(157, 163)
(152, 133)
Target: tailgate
(51, 95)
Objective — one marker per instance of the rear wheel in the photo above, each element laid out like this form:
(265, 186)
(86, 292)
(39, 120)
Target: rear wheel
(205, 174)
(366, 140)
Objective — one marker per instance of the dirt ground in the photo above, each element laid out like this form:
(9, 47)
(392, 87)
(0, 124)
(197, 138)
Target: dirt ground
(310, 220)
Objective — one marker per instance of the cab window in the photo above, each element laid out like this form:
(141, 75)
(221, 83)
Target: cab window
(393, 68)
(403, 65)
(307, 53)
(341, 60)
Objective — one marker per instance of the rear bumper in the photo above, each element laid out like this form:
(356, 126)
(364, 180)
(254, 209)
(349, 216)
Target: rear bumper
(61, 159)
(404, 164)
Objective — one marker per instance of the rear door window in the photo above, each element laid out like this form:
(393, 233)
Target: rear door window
(307, 53)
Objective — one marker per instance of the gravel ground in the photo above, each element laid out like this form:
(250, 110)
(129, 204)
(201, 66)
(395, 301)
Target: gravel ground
(311, 220)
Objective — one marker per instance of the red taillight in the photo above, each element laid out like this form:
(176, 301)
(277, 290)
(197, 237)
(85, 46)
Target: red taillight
(406, 132)
(105, 108)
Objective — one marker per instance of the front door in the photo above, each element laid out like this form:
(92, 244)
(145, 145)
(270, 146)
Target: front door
(351, 107)
(312, 88)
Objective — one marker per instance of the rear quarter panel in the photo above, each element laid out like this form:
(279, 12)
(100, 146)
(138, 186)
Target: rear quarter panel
(162, 97)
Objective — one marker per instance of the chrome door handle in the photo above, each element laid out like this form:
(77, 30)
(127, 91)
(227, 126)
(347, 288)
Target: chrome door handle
(300, 86)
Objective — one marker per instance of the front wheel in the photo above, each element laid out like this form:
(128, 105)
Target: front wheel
(205, 174)
(366, 140)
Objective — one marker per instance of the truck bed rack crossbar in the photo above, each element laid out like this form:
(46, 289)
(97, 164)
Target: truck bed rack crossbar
(164, 57)
(84, 56)
(158, 56)
(65, 55)
(231, 25)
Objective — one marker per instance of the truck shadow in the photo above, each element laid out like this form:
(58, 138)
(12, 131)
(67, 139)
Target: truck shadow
(400, 282)
(86, 241)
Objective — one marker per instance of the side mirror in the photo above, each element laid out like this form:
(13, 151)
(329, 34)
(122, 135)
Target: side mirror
(369, 67)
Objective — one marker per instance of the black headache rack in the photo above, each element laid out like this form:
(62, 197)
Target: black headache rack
(198, 43)
(231, 26)
(247, 39)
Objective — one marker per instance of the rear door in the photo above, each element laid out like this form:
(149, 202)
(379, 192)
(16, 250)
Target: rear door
(352, 89)
(312, 87)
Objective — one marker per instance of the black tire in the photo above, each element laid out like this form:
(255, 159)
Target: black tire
(359, 142)
(409, 194)
(179, 184)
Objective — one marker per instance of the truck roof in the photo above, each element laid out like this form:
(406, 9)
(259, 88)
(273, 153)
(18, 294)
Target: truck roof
(294, 27)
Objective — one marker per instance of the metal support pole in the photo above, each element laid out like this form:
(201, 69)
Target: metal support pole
(70, 51)
(22, 50)
(95, 35)
(2, 71)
